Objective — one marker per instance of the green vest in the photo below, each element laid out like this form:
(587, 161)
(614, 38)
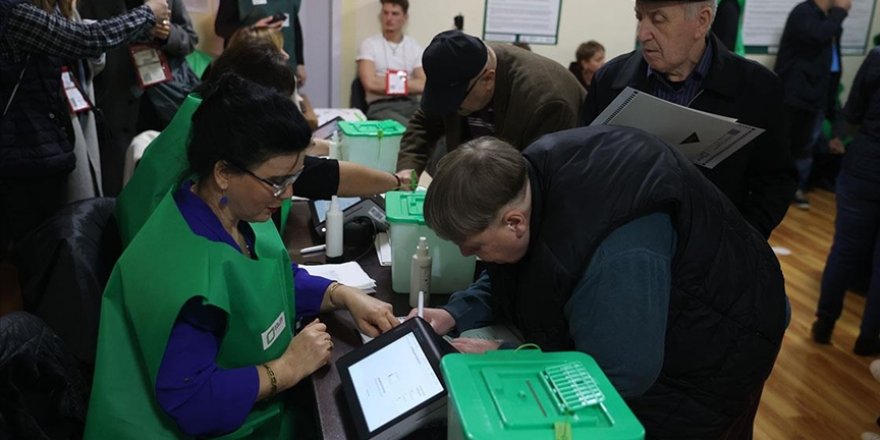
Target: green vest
(163, 267)
(250, 11)
(162, 166)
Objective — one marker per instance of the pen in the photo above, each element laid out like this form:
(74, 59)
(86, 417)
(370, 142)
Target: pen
(310, 249)
(421, 304)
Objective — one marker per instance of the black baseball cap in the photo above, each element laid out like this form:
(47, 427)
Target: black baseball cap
(451, 61)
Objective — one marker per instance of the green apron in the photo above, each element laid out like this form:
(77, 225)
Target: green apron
(250, 11)
(162, 166)
(164, 266)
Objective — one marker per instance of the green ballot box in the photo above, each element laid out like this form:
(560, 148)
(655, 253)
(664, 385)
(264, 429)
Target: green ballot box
(371, 143)
(531, 395)
(450, 270)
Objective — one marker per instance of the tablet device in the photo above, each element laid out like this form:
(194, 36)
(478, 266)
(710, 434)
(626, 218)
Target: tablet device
(393, 385)
(352, 207)
(326, 130)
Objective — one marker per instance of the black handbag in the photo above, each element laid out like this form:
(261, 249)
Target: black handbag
(168, 96)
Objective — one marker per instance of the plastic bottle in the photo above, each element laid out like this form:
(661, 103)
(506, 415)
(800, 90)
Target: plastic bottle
(334, 146)
(420, 273)
(333, 236)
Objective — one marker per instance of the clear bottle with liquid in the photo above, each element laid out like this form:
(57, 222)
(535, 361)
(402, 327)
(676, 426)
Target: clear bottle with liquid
(333, 235)
(420, 273)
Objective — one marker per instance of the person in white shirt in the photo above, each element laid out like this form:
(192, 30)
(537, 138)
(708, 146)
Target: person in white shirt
(390, 66)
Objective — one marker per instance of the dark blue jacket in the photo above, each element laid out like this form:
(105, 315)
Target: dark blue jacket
(726, 313)
(862, 158)
(35, 139)
(804, 59)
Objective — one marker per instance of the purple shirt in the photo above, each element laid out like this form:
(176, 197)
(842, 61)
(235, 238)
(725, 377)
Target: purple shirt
(204, 399)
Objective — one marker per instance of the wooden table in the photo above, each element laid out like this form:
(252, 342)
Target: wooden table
(331, 408)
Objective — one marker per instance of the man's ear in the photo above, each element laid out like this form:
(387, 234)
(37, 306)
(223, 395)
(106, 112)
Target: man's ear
(705, 19)
(517, 221)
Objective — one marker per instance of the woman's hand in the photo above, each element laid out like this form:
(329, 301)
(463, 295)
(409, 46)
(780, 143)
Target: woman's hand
(440, 319)
(471, 345)
(308, 350)
(371, 315)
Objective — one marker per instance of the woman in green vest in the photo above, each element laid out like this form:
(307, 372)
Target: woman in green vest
(198, 318)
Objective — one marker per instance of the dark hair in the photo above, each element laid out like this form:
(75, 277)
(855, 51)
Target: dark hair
(255, 60)
(472, 184)
(586, 50)
(243, 123)
(404, 4)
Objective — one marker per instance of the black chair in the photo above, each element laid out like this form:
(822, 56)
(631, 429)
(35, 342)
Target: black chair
(358, 97)
(64, 265)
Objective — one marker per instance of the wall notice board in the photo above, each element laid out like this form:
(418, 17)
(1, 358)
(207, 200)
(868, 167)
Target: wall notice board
(764, 20)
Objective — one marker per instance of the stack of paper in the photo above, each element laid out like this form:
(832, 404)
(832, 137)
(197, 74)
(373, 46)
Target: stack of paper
(350, 274)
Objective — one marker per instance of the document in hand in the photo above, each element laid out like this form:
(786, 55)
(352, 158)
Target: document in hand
(704, 138)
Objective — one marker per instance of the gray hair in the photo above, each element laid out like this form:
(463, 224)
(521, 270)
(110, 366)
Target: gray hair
(692, 9)
(472, 184)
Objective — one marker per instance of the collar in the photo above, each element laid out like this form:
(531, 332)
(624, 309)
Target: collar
(701, 70)
(202, 220)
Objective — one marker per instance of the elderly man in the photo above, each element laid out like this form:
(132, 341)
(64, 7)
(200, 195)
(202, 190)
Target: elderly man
(388, 59)
(680, 62)
(475, 89)
(646, 282)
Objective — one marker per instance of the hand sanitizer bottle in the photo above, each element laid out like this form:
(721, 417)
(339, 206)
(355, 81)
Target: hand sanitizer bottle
(333, 236)
(420, 273)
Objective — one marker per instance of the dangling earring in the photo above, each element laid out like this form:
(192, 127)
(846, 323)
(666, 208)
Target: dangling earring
(223, 200)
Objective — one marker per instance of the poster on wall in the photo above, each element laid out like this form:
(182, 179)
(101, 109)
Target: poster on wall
(526, 21)
(764, 20)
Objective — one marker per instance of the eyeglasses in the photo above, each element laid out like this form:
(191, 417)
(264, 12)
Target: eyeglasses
(277, 188)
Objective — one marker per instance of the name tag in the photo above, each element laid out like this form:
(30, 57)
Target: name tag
(395, 82)
(76, 101)
(274, 331)
(150, 64)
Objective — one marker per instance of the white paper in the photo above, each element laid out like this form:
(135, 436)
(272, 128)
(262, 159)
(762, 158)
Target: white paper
(704, 138)
(350, 274)
(325, 115)
(393, 380)
(383, 249)
(535, 21)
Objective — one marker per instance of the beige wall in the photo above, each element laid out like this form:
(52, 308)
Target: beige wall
(581, 20)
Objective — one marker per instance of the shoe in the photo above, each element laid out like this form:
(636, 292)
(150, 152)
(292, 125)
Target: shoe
(867, 346)
(800, 200)
(822, 329)
(870, 436)
(875, 369)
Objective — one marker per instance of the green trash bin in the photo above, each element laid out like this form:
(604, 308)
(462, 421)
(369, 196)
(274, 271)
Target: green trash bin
(531, 395)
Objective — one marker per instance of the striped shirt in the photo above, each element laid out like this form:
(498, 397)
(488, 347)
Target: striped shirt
(684, 92)
(30, 29)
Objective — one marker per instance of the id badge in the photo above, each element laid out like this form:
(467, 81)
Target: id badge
(395, 83)
(150, 65)
(259, 2)
(76, 100)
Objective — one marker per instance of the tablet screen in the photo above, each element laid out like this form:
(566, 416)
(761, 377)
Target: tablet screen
(386, 389)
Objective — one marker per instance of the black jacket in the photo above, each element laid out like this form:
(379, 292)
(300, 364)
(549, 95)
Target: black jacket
(35, 134)
(726, 312)
(760, 178)
(804, 59)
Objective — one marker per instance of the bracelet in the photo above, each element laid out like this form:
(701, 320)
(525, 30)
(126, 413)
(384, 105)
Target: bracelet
(399, 182)
(335, 285)
(272, 380)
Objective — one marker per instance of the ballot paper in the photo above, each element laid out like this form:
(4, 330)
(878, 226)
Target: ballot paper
(350, 274)
(704, 138)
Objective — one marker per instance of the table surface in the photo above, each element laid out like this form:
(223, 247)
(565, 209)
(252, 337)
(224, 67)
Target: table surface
(331, 407)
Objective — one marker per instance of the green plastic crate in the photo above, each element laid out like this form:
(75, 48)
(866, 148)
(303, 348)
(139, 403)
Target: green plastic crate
(450, 270)
(529, 395)
(371, 143)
